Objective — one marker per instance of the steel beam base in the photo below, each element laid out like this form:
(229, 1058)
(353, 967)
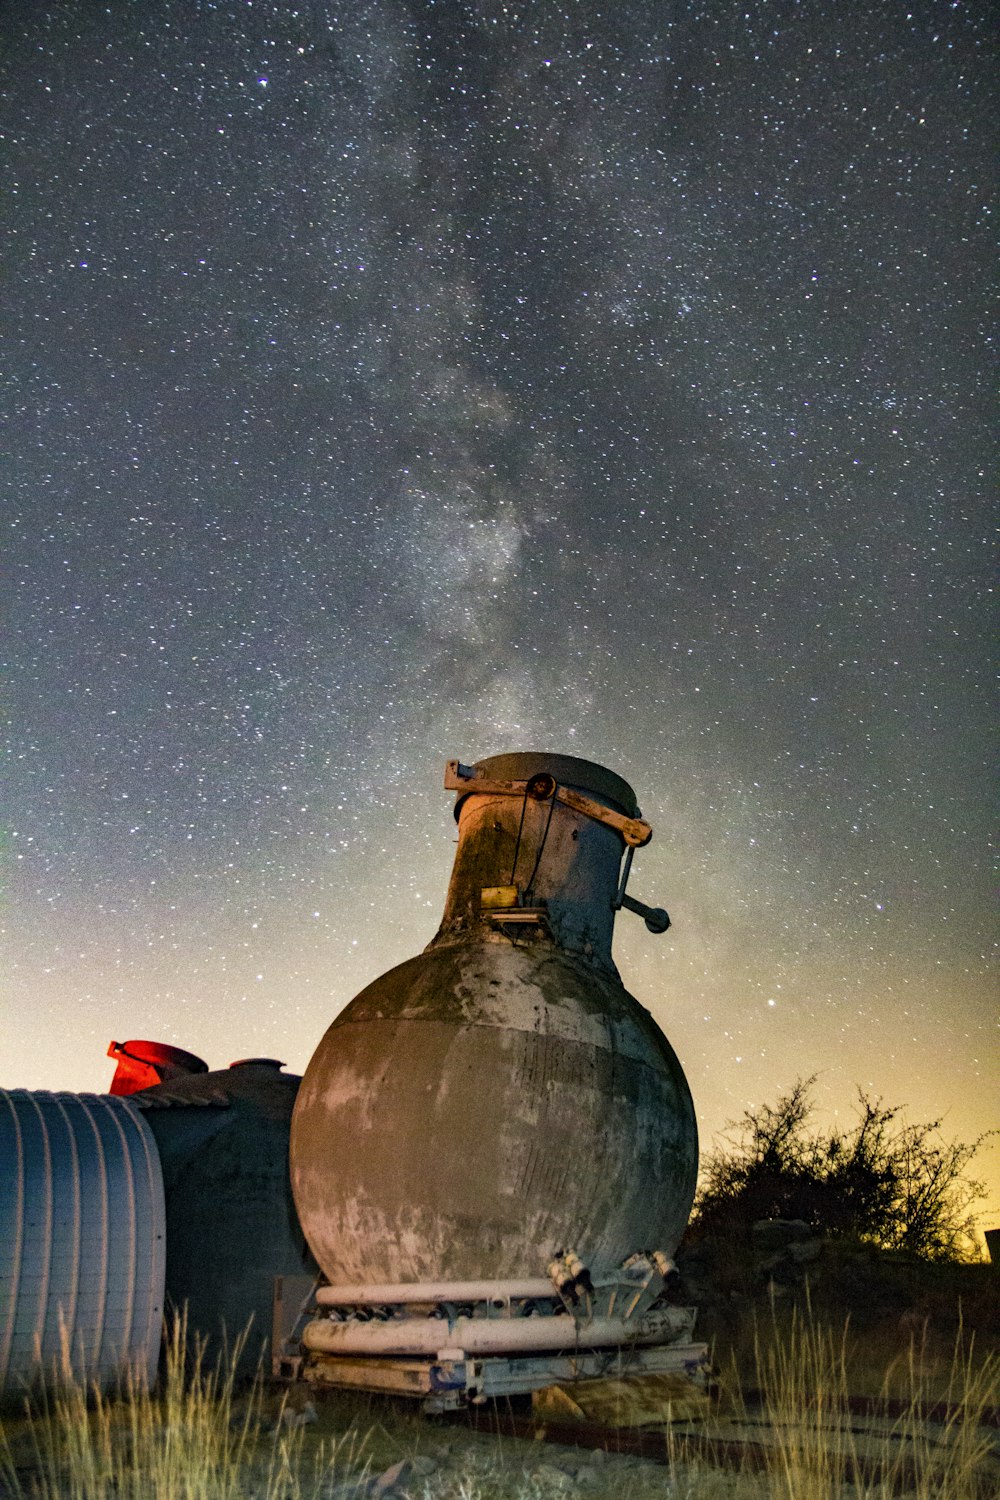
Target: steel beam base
(449, 1384)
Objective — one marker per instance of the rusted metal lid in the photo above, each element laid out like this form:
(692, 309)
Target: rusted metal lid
(144, 1064)
(568, 770)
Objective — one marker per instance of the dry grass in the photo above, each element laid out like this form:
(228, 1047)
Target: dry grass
(199, 1438)
(820, 1448)
(194, 1438)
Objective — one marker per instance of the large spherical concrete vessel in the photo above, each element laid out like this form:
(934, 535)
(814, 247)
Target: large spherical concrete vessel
(501, 1096)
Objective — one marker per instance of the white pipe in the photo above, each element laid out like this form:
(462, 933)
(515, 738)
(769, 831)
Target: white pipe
(387, 1294)
(423, 1336)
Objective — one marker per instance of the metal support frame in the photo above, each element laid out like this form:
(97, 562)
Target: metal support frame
(455, 1342)
(294, 1299)
(448, 1384)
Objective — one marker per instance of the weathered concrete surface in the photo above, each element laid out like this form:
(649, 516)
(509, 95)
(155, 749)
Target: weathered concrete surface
(501, 1096)
(482, 1105)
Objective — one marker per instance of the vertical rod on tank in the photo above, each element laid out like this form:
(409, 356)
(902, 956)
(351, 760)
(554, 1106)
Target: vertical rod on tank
(623, 882)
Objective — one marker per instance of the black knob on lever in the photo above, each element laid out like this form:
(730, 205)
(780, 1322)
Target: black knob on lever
(657, 919)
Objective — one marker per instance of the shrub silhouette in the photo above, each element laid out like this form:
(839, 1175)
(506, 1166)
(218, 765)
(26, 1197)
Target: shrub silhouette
(892, 1184)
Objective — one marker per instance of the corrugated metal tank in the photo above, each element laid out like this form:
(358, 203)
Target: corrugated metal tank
(502, 1095)
(82, 1229)
(231, 1223)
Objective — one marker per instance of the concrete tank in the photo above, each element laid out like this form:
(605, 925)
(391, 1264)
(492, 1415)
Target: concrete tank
(501, 1096)
(222, 1139)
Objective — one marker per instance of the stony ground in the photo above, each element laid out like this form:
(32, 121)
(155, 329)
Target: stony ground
(406, 1457)
(332, 1446)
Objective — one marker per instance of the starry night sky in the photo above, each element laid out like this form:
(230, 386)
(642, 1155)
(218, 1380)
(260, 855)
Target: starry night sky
(394, 381)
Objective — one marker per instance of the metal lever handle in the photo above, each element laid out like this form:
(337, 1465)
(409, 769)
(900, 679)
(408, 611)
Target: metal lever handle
(459, 778)
(657, 919)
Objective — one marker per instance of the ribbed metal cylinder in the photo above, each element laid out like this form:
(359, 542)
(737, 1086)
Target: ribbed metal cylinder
(82, 1230)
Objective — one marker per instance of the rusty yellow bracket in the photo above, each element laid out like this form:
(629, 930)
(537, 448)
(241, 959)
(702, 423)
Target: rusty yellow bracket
(458, 778)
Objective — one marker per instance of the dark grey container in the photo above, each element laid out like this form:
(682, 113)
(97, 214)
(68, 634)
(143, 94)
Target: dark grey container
(231, 1222)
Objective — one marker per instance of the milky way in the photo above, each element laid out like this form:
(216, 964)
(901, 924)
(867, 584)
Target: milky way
(393, 382)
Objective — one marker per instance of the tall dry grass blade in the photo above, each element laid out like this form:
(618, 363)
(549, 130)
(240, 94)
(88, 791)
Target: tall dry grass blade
(190, 1439)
